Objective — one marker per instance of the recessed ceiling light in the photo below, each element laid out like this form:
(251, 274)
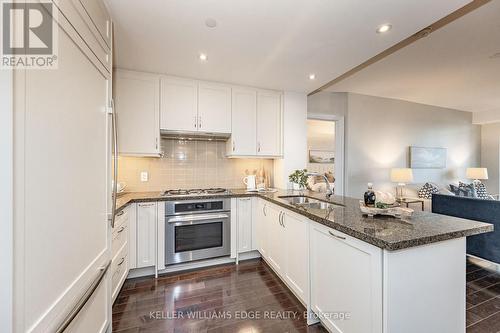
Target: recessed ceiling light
(203, 57)
(210, 22)
(384, 28)
(312, 76)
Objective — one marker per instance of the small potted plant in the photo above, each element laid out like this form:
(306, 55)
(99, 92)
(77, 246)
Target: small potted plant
(299, 179)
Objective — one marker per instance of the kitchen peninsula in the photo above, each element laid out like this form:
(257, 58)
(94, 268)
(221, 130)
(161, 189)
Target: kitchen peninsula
(390, 275)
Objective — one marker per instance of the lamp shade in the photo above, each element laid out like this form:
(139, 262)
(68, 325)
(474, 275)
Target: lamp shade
(477, 173)
(402, 175)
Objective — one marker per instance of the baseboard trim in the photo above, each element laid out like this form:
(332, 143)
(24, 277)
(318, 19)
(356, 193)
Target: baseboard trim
(486, 264)
(148, 271)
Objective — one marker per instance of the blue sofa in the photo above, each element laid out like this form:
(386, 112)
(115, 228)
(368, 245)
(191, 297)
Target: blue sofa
(486, 246)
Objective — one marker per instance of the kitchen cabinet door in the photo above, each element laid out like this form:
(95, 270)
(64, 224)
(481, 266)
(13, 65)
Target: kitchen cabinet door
(276, 238)
(214, 108)
(244, 224)
(297, 254)
(137, 104)
(243, 140)
(346, 275)
(100, 18)
(146, 234)
(261, 232)
(179, 104)
(269, 131)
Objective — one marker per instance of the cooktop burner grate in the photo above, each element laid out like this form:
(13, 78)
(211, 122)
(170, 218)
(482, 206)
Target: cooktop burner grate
(195, 191)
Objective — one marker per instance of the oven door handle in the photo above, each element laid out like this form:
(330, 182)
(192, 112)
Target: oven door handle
(197, 217)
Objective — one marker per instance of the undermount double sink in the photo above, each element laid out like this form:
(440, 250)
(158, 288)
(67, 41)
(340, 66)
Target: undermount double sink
(307, 202)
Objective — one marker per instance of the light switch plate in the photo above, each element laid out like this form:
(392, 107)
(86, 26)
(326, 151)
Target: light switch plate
(144, 176)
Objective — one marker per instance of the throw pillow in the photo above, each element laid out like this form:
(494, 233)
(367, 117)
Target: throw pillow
(481, 191)
(467, 190)
(427, 191)
(460, 191)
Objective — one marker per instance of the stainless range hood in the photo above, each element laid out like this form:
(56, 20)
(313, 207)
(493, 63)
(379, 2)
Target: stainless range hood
(198, 136)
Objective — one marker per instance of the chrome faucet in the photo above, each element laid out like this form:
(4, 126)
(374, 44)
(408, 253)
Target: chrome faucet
(329, 191)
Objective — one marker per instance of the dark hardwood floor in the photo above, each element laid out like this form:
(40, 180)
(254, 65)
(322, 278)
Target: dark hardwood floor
(483, 300)
(218, 295)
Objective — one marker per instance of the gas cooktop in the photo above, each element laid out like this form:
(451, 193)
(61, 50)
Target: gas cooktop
(195, 191)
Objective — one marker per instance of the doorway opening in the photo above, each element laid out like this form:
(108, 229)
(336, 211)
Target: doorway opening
(323, 152)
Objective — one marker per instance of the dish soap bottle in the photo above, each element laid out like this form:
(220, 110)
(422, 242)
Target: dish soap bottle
(370, 196)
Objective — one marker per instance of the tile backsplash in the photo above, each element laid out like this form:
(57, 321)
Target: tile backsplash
(188, 164)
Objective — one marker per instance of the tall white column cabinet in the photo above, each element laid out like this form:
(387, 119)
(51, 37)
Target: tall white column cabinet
(61, 235)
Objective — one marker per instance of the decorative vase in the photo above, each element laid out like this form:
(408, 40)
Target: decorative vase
(297, 187)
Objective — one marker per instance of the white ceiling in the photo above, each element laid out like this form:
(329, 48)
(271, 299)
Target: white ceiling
(453, 67)
(264, 43)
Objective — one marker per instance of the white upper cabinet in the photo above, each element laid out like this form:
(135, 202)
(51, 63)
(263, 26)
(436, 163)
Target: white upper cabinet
(243, 140)
(179, 104)
(214, 108)
(137, 105)
(269, 131)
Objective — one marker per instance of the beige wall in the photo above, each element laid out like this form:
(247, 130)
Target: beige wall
(379, 132)
(320, 136)
(490, 150)
(188, 164)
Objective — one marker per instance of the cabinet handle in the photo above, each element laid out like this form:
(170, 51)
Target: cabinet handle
(195, 122)
(120, 213)
(258, 147)
(234, 146)
(147, 204)
(336, 236)
(120, 230)
(283, 220)
(264, 210)
(279, 218)
(199, 121)
(156, 143)
(121, 261)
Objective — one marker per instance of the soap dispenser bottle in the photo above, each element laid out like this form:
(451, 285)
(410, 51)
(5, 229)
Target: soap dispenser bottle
(370, 196)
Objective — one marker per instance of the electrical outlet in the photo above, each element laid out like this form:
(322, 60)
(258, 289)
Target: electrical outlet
(144, 176)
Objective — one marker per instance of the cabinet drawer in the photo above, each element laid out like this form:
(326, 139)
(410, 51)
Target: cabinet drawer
(119, 271)
(120, 218)
(120, 237)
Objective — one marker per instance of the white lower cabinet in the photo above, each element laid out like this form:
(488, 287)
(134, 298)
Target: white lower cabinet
(346, 279)
(119, 271)
(244, 220)
(276, 239)
(146, 234)
(260, 227)
(120, 249)
(297, 254)
(282, 239)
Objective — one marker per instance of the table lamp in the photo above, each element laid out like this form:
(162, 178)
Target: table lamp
(401, 176)
(477, 174)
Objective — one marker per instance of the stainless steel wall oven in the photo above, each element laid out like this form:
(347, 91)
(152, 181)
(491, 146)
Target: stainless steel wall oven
(197, 229)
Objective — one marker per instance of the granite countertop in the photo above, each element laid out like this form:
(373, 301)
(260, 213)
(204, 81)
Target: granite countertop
(384, 232)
